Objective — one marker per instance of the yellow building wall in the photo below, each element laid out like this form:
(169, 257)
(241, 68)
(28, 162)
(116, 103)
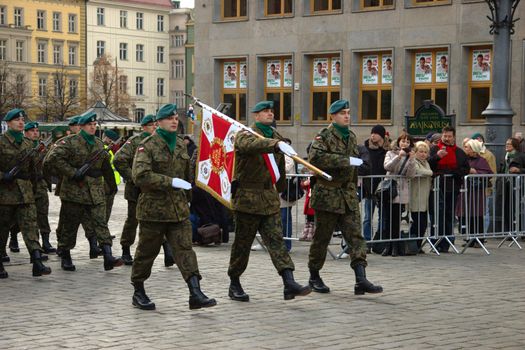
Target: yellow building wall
(63, 37)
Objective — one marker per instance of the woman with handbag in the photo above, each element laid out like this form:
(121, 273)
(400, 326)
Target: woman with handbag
(398, 161)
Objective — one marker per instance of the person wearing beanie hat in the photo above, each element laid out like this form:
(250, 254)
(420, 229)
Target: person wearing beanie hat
(379, 130)
(123, 162)
(476, 193)
(16, 191)
(435, 139)
(82, 191)
(335, 202)
(161, 169)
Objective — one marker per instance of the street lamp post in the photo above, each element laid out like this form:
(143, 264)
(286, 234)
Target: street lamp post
(498, 115)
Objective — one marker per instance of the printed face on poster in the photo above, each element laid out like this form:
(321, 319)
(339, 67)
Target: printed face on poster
(336, 71)
(387, 69)
(230, 75)
(441, 67)
(423, 67)
(320, 72)
(288, 73)
(243, 77)
(370, 69)
(273, 74)
(481, 65)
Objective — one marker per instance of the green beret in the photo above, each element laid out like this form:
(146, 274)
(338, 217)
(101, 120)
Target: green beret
(14, 113)
(150, 118)
(166, 111)
(88, 118)
(261, 106)
(112, 134)
(30, 126)
(477, 135)
(338, 105)
(73, 120)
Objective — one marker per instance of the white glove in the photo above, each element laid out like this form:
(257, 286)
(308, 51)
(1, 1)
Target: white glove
(355, 161)
(286, 149)
(180, 183)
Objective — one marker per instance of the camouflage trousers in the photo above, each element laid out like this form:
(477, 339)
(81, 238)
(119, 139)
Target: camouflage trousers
(110, 198)
(42, 211)
(246, 227)
(350, 225)
(92, 216)
(89, 231)
(129, 231)
(24, 216)
(151, 237)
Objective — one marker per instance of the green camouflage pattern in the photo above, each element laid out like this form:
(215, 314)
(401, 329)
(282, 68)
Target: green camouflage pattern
(350, 226)
(151, 237)
(330, 153)
(20, 191)
(270, 229)
(154, 166)
(123, 162)
(73, 214)
(42, 206)
(24, 216)
(68, 155)
(129, 231)
(255, 192)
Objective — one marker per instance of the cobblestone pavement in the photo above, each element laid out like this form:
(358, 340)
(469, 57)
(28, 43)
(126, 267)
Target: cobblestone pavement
(446, 302)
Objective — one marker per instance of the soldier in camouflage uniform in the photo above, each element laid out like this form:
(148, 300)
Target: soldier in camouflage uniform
(161, 169)
(255, 201)
(17, 201)
(82, 194)
(123, 162)
(335, 202)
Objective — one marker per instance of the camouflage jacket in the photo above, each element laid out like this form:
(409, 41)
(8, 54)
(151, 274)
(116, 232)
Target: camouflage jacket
(331, 153)
(123, 162)
(154, 166)
(20, 191)
(40, 181)
(67, 156)
(252, 190)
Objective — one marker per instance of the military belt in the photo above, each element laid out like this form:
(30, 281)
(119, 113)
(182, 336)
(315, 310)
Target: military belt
(256, 185)
(23, 177)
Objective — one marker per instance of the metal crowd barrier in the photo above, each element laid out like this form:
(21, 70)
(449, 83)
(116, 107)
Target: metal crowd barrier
(469, 210)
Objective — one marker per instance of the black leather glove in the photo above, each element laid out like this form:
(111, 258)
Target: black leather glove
(78, 176)
(7, 177)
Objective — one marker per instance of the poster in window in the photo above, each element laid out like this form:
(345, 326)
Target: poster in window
(230, 75)
(288, 73)
(335, 79)
(441, 67)
(481, 65)
(423, 67)
(321, 72)
(370, 69)
(273, 73)
(243, 77)
(387, 69)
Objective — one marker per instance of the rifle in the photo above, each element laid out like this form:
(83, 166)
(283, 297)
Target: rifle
(28, 156)
(93, 159)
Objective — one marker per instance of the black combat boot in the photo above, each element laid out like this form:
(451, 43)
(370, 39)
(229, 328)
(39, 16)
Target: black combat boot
(140, 299)
(362, 285)
(66, 262)
(236, 292)
(39, 269)
(292, 288)
(197, 297)
(94, 250)
(126, 255)
(316, 283)
(13, 243)
(46, 245)
(168, 254)
(4, 257)
(109, 260)
(3, 272)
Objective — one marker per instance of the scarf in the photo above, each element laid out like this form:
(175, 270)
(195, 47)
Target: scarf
(17, 135)
(145, 134)
(342, 130)
(449, 161)
(35, 143)
(376, 145)
(267, 130)
(509, 156)
(90, 139)
(169, 137)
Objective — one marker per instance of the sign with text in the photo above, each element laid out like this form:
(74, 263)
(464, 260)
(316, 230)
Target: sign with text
(429, 117)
